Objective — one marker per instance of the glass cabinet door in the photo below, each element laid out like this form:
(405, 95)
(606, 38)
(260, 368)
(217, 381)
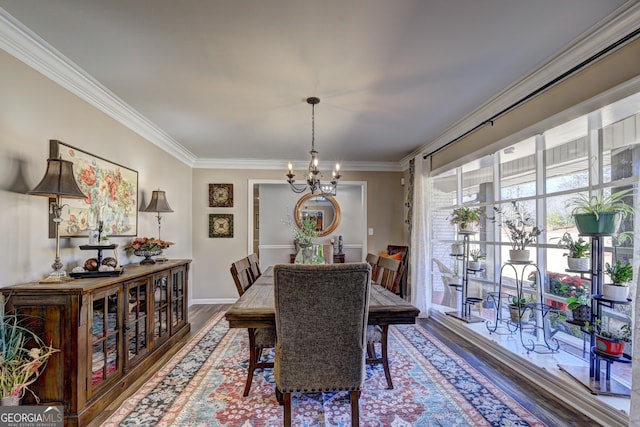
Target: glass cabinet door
(136, 320)
(178, 300)
(106, 324)
(160, 307)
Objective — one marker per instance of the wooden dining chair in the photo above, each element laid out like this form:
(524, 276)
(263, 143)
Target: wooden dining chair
(312, 359)
(404, 264)
(372, 260)
(254, 262)
(259, 338)
(389, 273)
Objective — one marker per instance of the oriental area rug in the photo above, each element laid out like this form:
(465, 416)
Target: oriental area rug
(202, 386)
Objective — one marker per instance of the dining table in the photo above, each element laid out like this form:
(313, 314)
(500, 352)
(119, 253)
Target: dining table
(256, 307)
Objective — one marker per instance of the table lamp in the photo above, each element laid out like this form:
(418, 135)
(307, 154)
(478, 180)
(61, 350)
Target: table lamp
(58, 182)
(158, 204)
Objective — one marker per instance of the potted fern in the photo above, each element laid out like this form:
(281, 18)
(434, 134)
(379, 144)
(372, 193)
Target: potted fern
(620, 274)
(601, 215)
(578, 252)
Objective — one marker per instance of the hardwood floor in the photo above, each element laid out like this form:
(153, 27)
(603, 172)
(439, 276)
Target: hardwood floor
(539, 402)
(547, 407)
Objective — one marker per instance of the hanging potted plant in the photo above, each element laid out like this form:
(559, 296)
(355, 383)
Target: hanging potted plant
(578, 252)
(601, 215)
(467, 219)
(476, 256)
(520, 229)
(610, 341)
(620, 274)
(580, 306)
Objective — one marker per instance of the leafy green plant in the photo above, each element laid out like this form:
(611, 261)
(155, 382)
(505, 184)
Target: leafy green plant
(624, 333)
(578, 300)
(577, 248)
(522, 301)
(519, 225)
(465, 216)
(620, 273)
(477, 254)
(598, 203)
(23, 355)
(306, 235)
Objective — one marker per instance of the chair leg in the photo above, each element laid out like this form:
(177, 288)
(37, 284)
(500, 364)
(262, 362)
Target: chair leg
(385, 359)
(287, 409)
(355, 408)
(252, 362)
(371, 351)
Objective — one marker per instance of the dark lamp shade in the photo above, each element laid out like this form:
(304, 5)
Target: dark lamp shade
(158, 203)
(58, 180)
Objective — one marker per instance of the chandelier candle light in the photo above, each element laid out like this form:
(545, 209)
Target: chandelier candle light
(313, 175)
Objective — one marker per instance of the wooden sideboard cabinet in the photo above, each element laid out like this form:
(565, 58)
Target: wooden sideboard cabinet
(109, 331)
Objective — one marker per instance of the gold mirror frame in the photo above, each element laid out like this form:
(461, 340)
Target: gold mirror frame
(336, 207)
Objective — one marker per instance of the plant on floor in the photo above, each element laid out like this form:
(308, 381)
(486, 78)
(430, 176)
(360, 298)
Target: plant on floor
(23, 355)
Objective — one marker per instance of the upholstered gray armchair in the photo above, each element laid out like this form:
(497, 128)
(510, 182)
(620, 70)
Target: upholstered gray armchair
(321, 321)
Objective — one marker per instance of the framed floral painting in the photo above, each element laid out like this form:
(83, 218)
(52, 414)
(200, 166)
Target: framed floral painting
(112, 195)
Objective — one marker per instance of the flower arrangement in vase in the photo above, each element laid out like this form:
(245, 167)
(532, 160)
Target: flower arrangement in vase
(147, 247)
(24, 356)
(307, 251)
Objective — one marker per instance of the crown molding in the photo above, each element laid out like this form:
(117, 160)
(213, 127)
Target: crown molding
(614, 27)
(274, 164)
(28, 47)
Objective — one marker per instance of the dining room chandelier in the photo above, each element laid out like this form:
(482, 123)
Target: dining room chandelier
(313, 175)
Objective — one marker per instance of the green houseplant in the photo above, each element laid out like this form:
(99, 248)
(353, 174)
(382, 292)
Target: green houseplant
(476, 256)
(518, 309)
(580, 306)
(599, 214)
(520, 228)
(608, 340)
(23, 355)
(467, 219)
(578, 252)
(620, 274)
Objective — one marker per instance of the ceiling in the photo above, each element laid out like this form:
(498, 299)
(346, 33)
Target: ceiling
(228, 80)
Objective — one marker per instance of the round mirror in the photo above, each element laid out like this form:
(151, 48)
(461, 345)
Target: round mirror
(324, 211)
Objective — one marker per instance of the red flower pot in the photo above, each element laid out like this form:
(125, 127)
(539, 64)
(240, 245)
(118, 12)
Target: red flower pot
(610, 346)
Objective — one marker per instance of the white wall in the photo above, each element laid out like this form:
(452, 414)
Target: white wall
(34, 110)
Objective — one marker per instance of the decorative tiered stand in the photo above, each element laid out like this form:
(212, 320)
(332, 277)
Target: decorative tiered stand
(467, 302)
(591, 377)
